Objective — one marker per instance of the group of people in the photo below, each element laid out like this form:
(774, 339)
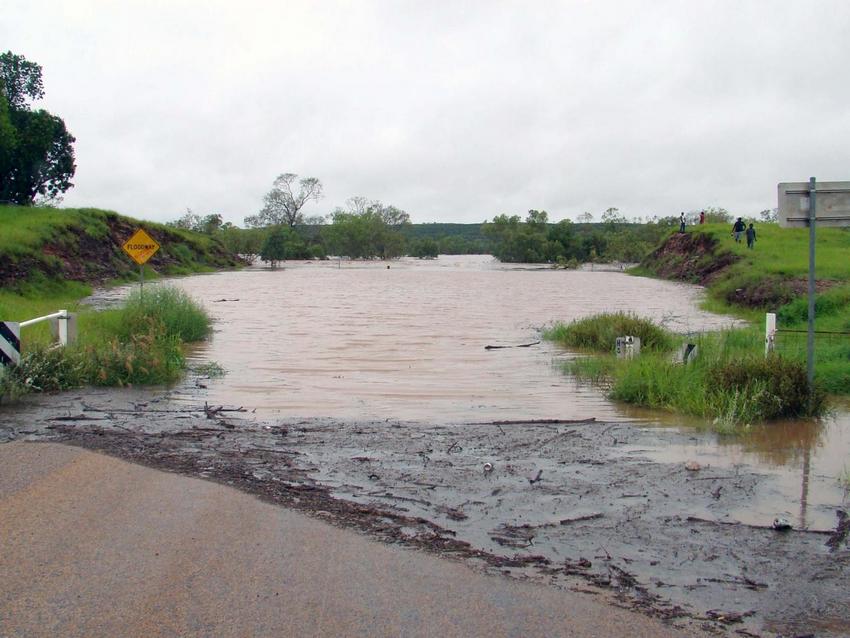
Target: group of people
(739, 229)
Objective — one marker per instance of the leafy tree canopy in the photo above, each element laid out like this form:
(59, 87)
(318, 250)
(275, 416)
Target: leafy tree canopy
(36, 148)
(21, 80)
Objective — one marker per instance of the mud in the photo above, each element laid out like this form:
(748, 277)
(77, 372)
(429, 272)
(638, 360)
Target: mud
(570, 503)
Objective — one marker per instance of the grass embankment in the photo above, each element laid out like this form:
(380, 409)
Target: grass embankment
(43, 245)
(771, 278)
(139, 343)
(729, 381)
(48, 260)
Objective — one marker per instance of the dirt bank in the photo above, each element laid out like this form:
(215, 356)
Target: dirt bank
(85, 245)
(699, 258)
(572, 504)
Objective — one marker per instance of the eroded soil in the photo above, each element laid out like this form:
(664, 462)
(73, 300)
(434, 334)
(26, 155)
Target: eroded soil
(555, 501)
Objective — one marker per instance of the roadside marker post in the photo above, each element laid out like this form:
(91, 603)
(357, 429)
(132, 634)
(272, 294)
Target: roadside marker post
(804, 204)
(141, 247)
(10, 343)
(63, 325)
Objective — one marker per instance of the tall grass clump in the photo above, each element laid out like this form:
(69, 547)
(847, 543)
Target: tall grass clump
(599, 332)
(729, 381)
(162, 309)
(140, 343)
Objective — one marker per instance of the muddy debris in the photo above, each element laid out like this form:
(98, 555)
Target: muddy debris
(561, 503)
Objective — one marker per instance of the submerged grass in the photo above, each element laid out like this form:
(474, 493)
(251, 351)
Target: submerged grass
(729, 381)
(599, 332)
(140, 343)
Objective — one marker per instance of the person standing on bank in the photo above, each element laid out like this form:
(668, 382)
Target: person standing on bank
(682, 223)
(738, 229)
(701, 217)
(751, 236)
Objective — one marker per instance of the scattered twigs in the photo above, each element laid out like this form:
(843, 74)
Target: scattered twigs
(748, 583)
(532, 421)
(522, 345)
(697, 519)
(586, 517)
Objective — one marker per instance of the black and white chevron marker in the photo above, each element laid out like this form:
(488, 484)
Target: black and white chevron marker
(10, 343)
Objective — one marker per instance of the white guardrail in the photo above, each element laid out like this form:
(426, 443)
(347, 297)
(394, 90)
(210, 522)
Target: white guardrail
(63, 325)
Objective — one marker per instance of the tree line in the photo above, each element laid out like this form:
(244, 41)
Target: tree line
(370, 229)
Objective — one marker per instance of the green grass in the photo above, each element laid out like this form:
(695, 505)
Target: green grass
(140, 343)
(598, 333)
(729, 382)
(84, 244)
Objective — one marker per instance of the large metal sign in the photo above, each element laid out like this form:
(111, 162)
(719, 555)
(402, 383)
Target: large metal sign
(832, 209)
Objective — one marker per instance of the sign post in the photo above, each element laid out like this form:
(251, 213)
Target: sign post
(804, 204)
(140, 247)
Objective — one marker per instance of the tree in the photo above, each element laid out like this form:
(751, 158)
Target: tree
(274, 248)
(36, 149)
(282, 204)
(41, 161)
(585, 218)
(612, 217)
(21, 79)
(367, 229)
(425, 248)
(769, 215)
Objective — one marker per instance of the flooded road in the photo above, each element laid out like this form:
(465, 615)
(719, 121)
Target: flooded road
(371, 399)
(360, 340)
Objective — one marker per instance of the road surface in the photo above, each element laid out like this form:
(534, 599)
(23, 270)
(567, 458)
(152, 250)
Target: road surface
(94, 546)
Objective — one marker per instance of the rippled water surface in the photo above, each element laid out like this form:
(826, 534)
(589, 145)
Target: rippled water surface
(360, 340)
(363, 340)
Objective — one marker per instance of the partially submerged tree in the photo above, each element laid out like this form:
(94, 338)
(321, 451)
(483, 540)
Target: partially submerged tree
(283, 203)
(367, 229)
(274, 248)
(36, 149)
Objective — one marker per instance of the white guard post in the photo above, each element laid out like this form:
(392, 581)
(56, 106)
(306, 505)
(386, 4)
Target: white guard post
(769, 333)
(627, 347)
(63, 325)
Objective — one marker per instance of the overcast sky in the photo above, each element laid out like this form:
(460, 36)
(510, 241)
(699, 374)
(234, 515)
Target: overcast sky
(454, 111)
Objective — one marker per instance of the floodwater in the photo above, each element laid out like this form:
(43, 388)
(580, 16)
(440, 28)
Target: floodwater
(360, 340)
(363, 341)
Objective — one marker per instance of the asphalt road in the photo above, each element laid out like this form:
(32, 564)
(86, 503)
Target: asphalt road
(94, 546)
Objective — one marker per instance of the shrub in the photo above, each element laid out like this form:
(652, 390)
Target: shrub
(176, 312)
(599, 333)
(770, 387)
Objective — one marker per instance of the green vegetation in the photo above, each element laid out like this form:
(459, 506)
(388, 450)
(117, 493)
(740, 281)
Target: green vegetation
(772, 277)
(598, 333)
(40, 245)
(366, 230)
(140, 343)
(36, 149)
(537, 241)
(729, 380)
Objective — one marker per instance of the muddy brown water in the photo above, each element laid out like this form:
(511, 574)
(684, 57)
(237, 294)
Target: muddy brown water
(376, 374)
(359, 340)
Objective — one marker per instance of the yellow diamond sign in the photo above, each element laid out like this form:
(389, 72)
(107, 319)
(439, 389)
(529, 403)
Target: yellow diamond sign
(140, 246)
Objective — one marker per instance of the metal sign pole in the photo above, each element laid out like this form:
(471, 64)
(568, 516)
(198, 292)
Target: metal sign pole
(810, 344)
(141, 280)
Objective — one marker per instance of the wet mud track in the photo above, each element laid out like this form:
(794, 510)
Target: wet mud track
(556, 502)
